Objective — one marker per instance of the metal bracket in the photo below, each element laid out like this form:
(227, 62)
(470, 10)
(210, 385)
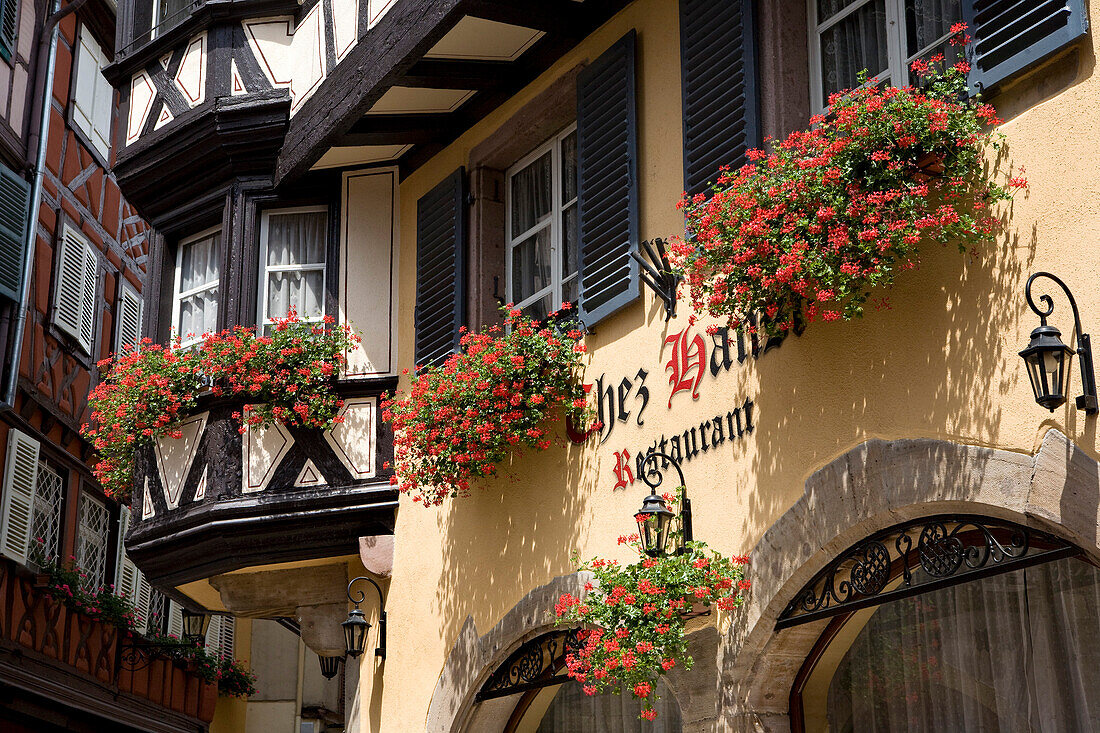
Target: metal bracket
(657, 273)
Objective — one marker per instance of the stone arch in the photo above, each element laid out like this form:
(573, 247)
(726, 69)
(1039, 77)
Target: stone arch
(874, 486)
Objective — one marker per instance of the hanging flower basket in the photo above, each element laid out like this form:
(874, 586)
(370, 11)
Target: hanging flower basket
(634, 618)
(459, 421)
(807, 229)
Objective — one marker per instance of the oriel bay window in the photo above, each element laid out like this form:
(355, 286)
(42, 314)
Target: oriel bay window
(542, 227)
(198, 276)
(292, 261)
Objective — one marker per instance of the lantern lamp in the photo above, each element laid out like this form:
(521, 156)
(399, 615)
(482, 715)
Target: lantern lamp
(654, 522)
(330, 666)
(356, 625)
(194, 625)
(1048, 359)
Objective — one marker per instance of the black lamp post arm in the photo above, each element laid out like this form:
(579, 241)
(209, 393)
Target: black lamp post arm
(653, 477)
(359, 597)
(1087, 401)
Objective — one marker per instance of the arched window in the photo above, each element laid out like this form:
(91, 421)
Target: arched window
(952, 623)
(531, 692)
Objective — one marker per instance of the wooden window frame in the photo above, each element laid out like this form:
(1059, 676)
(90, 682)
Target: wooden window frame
(555, 222)
(177, 296)
(262, 319)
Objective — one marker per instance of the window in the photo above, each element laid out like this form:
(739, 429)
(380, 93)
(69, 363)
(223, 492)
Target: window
(93, 527)
(881, 36)
(128, 323)
(168, 13)
(49, 492)
(198, 276)
(292, 261)
(17, 500)
(75, 297)
(9, 22)
(542, 227)
(93, 97)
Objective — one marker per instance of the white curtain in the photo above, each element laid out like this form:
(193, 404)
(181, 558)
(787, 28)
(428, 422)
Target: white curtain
(296, 264)
(532, 194)
(572, 711)
(200, 268)
(1012, 652)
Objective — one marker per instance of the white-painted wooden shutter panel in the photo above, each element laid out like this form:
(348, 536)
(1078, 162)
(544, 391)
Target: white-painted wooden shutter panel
(87, 69)
(120, 555)
(214, 636)
(129, 319)
(144, 592)
(74, 301)
(175, 620)
(101, 112)
(87, 305)
(227, 646)
(20, 479)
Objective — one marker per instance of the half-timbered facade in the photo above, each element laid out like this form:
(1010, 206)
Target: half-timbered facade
(407, 166)
(74, 256)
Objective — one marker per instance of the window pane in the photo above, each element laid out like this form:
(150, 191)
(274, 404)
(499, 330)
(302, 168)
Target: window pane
(296, 239)
(170, 12)
(532, 195)
(569, 234)
(952, 54)
(569, 292)
(540, 308)
(47, 514)
(199, 314)
(531, 265)
(927, 21)
(828, 8)
(569, 167)
(303, 290)
(200, 263)
(858, 42)
(91, 541)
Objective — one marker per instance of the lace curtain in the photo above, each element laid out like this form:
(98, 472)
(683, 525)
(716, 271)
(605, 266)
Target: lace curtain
(200, 274)
(1012, 652)
(296, 264)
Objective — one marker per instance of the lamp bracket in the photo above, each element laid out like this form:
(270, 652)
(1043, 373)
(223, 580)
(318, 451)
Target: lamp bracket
(657, 273)
(359, 597)
(1087, 401)
(653, 476)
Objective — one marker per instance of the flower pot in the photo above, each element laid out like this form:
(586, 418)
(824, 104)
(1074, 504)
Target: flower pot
(208, 700)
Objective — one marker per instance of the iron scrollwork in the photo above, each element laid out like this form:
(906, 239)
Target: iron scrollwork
(533, 665)
(928, 553)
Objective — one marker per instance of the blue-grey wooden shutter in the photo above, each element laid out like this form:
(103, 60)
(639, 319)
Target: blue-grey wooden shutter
(718, 86)
(607, 154)
(9, 22)
(13, 227)
(440, 269)
(1010, 35)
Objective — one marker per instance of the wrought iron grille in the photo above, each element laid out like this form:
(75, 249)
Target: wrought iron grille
(46, 528)
(923, 555)
(93, 522)
(533, 665)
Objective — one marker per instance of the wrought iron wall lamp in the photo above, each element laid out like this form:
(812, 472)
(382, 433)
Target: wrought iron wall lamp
(356, 626)
(1046, 355)
(657, 273)
(654, 519)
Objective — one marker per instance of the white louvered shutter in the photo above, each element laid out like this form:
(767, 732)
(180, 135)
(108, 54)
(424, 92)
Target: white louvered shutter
(129, 319)
(74, 301)
(144, 595)
(227, 644)
(120, 576)
(20, 480)
(213, 639)
(175, 620)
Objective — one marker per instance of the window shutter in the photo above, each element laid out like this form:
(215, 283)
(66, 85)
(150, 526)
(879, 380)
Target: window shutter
(228, 641)
(213, 640)
(608, 182)
(440, 269)
(143, 602)
(1010, 36)
(20, 479)
(9, 21)
(718, 85)
(74, 302)
(129, 319)
(175, 620)
(120, 551)
(13, 229)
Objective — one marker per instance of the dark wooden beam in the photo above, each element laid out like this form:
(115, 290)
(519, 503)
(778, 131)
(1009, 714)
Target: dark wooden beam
(396, 130)
(457, 74)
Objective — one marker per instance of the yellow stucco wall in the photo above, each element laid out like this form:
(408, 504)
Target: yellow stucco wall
(940, 361)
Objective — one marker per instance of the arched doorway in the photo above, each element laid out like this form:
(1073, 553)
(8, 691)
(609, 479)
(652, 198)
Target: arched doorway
(951, 623)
